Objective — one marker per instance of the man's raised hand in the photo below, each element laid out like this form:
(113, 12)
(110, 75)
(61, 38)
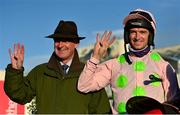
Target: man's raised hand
(17, 57)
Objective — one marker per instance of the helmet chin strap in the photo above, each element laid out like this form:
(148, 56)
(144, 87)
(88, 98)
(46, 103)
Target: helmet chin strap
(140, 53)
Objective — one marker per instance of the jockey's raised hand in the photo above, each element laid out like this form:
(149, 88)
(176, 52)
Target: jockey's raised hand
(102, 44)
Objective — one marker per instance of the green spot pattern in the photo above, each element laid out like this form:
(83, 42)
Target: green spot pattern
(139, 91)
(122, 107)
(139, 66)
(155, 56)
(121, 59)
(121, 81)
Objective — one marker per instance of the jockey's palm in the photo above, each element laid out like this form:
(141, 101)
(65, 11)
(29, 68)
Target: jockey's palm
(100, 49)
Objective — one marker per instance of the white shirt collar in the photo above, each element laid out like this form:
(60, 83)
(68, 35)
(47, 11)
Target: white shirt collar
(68, 63)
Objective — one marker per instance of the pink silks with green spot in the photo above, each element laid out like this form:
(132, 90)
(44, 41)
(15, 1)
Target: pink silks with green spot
(149, 75)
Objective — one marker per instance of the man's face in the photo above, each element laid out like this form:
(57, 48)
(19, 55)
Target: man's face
(64, 49)
(138, 38)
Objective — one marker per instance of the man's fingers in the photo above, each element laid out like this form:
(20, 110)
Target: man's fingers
(97, 38)
(112, 40)
(15, 49)
(22, 53)
(108, 35)
(103, 38)
(98, 41)
(22, 50)
(18, 49)
(104, 42)
(17, 56)
(16, 52)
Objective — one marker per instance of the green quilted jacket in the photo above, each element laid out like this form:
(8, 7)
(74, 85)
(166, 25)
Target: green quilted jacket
(55, 92)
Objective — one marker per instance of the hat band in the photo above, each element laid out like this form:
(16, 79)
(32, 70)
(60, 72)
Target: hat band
(62, 36)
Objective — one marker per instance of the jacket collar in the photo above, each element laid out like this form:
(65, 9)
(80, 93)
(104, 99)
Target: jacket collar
(75, 66)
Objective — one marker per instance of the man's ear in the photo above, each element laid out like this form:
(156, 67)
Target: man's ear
(76, 45)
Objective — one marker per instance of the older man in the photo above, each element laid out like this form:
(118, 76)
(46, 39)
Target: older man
(54, 83)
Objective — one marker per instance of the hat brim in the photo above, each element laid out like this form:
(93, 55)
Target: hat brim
(143, 104)
(133, 16)
(170, 109)
(58, 36)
